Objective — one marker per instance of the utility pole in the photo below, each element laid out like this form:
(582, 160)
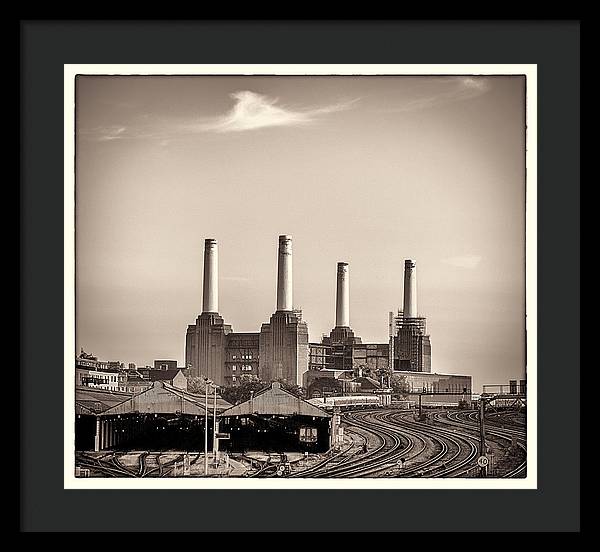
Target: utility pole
(482, 447)
(215, 440)
(207, 383)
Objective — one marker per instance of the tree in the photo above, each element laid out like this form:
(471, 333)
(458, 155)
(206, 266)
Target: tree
(241, 393)
(195, 385)
(400, 386)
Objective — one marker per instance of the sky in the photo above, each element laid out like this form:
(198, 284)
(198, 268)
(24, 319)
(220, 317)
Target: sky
(367, 170)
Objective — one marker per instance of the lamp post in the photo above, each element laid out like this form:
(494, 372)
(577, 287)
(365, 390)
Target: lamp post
(207, 384)
(215, 440)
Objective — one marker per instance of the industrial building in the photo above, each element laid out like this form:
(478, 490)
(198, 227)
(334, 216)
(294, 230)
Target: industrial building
(341, 364)
(274, 420)
(167, 418)
(410, 345)
(436, 389)
(161, 417)
(408, 349)
(151, 408)
(89, 404)
(279, 351)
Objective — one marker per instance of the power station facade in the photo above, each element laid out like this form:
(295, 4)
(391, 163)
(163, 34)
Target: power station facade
(280, 351)
(408, 348)
(410, 345)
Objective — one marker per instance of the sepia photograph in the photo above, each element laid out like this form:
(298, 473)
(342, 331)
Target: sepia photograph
(300, 276)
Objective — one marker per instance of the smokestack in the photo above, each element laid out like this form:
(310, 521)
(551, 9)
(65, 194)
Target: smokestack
(342, 304)
(284, 274)
(410, 289)
(210, 290)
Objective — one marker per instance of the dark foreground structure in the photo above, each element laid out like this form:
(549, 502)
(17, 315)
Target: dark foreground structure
(163, 417)
(167, 418)
(276, 421)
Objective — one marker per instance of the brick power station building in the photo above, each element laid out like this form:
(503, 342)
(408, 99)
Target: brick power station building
(408, 348)
(281, 351)
(278, 352)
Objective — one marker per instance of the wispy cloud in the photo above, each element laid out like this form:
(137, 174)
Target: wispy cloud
(111, 133)
(463, 261)
(251, 111)
(118, 132)
(456, 89)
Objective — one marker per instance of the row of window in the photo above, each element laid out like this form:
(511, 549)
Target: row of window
(244, 377)
(242, 357)
(243, 367)
(93, 380)
(438, 388)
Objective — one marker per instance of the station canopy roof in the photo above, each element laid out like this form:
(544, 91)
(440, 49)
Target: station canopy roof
(163, 398)
(90, 400)
(277, 402)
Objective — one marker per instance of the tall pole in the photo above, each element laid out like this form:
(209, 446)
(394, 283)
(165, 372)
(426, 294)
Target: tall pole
(482, 433)
(215, 440)
(206, 428)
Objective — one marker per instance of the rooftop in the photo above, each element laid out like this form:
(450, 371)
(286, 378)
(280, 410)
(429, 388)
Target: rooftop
(276, 401)
(89, 400)
(163, 375)
(163, 398)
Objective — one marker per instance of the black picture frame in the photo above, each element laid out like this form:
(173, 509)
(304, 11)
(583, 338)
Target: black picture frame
(47, 45)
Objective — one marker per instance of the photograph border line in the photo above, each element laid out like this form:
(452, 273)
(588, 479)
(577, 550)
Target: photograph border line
(527, 70)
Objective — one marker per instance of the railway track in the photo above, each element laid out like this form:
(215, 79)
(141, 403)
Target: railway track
(449, 447)
(498, 430)
(388, 444)
(336, 459)
(110, 465)
(391, 445)
(459, 451)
